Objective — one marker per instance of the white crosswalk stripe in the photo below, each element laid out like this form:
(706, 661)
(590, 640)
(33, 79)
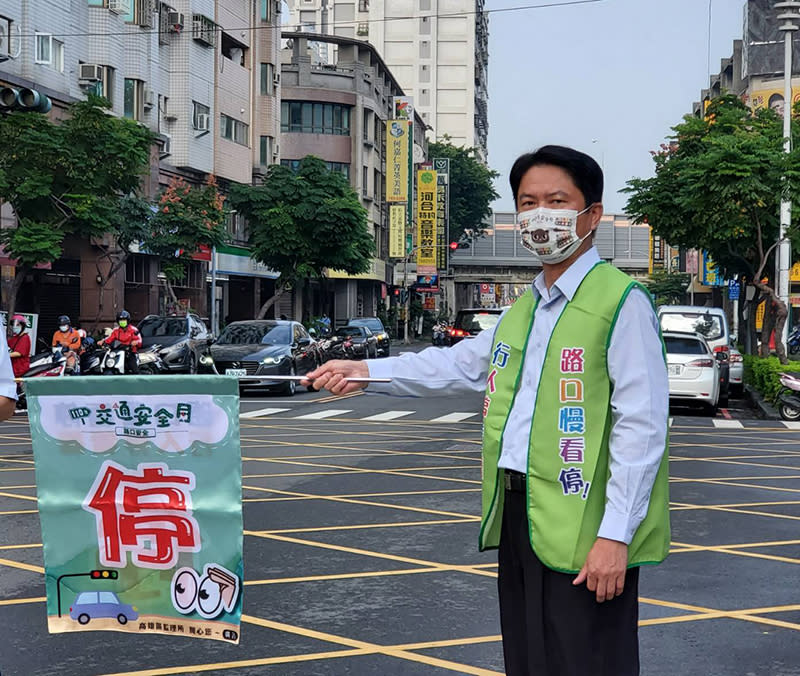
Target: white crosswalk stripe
(319, 415)
(261, 412)
(723, 424)
(792, 424)
(388, 415)
(457, 416)
(670, 421)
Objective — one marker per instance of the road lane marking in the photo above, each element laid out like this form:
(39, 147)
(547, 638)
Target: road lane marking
(319, 415)
(727, 424)
(258, 413)
(793, 425)
(388, 415)
(457, 416)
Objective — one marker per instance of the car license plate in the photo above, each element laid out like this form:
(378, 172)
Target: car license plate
(674, 369)
(237, 373)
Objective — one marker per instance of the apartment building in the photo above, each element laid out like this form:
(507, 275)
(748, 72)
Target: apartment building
(437, 49)
(192, 71)
(337, 111)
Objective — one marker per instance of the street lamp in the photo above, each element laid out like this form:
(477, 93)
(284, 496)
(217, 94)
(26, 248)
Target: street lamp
(790, 17)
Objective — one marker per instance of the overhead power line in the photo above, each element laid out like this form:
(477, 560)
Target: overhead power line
(269, 25)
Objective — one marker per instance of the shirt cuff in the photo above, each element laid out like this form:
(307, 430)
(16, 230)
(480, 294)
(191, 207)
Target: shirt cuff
(617, 526)
(379, 368)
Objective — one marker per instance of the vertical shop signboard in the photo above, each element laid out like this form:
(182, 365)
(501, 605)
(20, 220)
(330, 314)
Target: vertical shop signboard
(442, 167)
(426, 222)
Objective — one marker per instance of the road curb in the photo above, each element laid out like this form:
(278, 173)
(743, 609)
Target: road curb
(767, 409)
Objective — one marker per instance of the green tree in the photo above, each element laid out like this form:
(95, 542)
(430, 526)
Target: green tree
(471, 189)
(303, 222)
(718, 186)
(187, 217)
(669, 288)
(66, 179)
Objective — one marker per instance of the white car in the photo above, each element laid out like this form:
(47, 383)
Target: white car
(693, 370)
(737, 372)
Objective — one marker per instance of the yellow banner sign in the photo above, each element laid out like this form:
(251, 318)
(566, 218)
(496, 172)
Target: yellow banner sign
(426, 219)
(396, 161)
(397, 230)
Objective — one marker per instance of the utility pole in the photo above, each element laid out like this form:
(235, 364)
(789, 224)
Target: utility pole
(790, 17)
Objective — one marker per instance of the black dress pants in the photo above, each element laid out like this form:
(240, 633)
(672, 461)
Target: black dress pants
(552, 628)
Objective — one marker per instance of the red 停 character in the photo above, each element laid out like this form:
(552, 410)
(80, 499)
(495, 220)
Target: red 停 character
(150, 506)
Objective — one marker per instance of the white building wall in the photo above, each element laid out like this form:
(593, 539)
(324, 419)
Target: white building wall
(433, 55)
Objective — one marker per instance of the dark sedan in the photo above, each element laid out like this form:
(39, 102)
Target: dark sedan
(364, 343)
(181, 340)
(376, 326)
(264, 348)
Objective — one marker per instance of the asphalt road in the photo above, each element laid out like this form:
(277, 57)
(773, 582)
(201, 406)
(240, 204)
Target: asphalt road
(361, 551)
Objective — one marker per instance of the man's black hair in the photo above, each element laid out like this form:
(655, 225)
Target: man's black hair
(586, 174)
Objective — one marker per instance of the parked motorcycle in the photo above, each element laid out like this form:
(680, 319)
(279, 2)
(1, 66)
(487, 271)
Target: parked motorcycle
(789, 396)
(793, 341)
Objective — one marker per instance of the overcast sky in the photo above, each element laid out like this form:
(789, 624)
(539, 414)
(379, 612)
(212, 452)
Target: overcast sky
(620, 73)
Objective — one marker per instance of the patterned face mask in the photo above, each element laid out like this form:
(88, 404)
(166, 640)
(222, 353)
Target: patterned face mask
(551, 234)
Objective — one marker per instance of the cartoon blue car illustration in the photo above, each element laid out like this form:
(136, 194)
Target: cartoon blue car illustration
(93, 604)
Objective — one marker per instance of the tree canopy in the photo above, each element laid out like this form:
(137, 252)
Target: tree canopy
(718, 185)
(471, 188)
(70, 178)
(187, 217)
(302, 222)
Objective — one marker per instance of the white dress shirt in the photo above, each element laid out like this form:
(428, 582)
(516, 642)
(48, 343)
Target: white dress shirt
(8, 388)
(639, 398)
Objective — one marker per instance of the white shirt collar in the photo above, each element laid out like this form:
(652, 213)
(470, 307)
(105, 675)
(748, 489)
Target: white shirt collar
(569, 281)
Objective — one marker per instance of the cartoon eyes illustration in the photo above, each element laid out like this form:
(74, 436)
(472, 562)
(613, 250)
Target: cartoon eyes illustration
(184, 590)
(209, 595)
(209, 598)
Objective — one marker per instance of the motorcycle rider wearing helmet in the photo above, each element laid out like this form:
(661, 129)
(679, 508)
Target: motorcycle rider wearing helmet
(19, 346)
(69, 340)
(127, 334)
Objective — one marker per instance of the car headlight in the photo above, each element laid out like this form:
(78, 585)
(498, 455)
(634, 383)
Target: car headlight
(206, 360)
(271, 360)
(172, 349)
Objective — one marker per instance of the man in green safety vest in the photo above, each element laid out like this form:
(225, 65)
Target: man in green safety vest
(574, 488)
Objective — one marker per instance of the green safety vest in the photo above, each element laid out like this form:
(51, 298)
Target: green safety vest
(568, 456)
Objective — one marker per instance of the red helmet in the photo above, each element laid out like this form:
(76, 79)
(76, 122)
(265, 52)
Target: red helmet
(20, 319)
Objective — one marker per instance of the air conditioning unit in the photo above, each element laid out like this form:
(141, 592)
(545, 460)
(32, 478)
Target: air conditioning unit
(166, 148)
(149, 98)
(90, 72)
(174, 22)
(119, 6)
(276, 150)
(276, 78)
(203, 121)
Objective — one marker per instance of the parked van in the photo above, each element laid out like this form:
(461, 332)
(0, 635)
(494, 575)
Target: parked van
(709, 322)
